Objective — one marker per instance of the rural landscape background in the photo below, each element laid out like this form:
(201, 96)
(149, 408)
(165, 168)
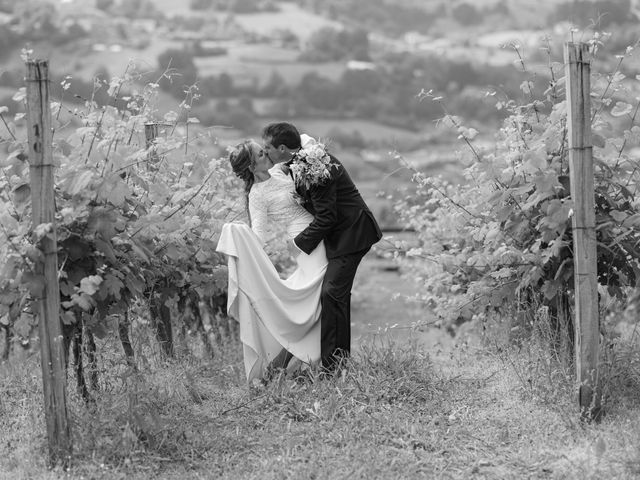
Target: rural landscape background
(401, 91)
(350, 72)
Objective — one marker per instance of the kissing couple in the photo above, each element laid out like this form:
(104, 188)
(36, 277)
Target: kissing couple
(292, 181)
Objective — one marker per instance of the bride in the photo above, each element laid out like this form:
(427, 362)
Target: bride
(279, 318)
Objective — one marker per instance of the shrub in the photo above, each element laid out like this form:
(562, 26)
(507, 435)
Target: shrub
(585, 12)
(503, 239)
(466, 14)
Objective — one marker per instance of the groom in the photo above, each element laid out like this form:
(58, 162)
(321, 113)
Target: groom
(343, 220)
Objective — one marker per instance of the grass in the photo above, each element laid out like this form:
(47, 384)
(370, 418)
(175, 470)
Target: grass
(395, 413)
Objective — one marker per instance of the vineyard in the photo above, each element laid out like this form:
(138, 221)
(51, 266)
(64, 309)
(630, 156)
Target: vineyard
(136, 223)
(504, 238)
(139, 204)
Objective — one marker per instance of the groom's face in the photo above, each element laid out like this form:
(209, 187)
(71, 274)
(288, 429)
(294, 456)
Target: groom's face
(276, 155)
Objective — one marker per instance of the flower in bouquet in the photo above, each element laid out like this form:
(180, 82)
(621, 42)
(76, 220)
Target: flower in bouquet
(312, 164)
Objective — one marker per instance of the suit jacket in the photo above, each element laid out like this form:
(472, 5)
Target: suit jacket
(340, 216)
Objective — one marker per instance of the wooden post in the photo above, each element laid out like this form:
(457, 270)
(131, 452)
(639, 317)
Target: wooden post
(578, 86)
(150, 135)
(43, 205)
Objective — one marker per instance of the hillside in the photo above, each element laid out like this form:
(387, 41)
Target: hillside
(257, 61)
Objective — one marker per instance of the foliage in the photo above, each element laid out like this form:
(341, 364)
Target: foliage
(104, 4)
(8, 38)
(135, 9)
(584, 13)
(238, 115)
(466, 14)
(200, 51)
(218, 86)
(385, 15)
(330, 44)
(504, 237)
(200, 4)
(346, 139)
(133, 222)
(318, 92)
(37, 20)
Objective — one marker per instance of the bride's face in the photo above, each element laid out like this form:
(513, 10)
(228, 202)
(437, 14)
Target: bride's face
(261, 163)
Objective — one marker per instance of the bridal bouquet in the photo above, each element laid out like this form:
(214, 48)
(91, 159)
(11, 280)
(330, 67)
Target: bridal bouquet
(312, 164)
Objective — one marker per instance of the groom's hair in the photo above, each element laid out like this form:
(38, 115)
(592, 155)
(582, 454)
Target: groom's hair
(282, 133)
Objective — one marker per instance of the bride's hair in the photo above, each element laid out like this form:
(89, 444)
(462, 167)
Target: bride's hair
(241, 160)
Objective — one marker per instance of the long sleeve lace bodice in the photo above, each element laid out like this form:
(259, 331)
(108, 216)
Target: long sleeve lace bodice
(273, 202)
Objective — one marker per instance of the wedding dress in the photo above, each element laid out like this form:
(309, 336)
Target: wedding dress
(273, 313)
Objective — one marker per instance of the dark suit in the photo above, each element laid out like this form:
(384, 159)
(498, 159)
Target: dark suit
(343, 220)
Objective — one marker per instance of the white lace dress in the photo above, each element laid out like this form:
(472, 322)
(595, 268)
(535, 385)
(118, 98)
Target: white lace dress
(273, 313)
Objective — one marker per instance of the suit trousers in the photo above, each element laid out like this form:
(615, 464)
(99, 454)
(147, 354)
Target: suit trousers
(335, 299)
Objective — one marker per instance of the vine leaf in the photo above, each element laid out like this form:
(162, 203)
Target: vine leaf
(106, 248)
(21, 194)
(9, 222)
(82, 300)
(90, 284)
(547, 182)
(79, 182)
(141, 251)
(621, 108)
(618, 216)
(535, 160)
(112, 286)
(114, 190)
(134, 284)
(159, 193)
(22, 326)
(35, 283)
(103, 221)
(76, 247)
(68, 317)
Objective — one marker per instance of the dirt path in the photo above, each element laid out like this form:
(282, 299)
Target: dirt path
(382, 313)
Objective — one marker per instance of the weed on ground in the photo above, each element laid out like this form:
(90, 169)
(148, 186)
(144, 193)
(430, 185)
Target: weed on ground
(392, 413)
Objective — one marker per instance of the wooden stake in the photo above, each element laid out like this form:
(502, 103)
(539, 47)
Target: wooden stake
(150, 135)
(43, 206)
(578, 86)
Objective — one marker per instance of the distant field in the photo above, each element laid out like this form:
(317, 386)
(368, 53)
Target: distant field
(376, 133)
(173, 7)
(291, 17)
(371, 131)
(247, 62)
(82, 61)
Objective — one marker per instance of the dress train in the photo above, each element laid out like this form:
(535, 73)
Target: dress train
(273, 313)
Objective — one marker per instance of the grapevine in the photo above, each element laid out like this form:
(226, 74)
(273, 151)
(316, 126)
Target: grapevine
(135, 223)
(502, 240)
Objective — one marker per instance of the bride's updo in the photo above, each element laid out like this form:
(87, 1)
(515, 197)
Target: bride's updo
(241, 159)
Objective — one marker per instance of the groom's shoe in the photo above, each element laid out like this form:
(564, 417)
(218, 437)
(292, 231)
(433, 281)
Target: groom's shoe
(278, 365)
(335, 363)
(303, 377)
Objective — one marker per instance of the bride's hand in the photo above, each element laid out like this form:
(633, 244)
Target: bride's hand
(293, 249)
